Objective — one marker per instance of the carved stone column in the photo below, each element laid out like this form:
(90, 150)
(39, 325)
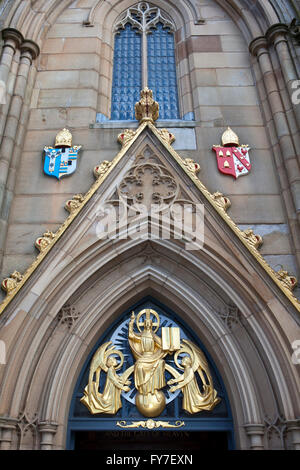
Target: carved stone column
(277, 34)
(293, 427)
(256, 433)
(7, 427)
(13, 134)
(47, 431)
(12, 41)
(284, 150)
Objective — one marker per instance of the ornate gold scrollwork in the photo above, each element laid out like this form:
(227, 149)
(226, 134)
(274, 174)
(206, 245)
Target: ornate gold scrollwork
(167, 136)
(222, 201)
(150, 424)
(74, 203)
(191, 165)
(255, 240)
(10, 283)
(41, 243)
(102, 169)
(288, 282)
(126, 136)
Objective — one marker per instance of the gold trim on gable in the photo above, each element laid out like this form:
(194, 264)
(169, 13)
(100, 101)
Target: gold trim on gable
(279, 280)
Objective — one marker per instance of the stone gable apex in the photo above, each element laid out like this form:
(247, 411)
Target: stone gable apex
(223, 234)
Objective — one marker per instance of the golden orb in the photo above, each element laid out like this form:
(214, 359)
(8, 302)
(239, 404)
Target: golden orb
(150, 405)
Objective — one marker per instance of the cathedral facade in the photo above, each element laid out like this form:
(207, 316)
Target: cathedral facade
(149, 224)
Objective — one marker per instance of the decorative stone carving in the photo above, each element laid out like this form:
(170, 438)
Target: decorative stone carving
(101, 169)
(41, 243)
(254, 240)
(276, 426)
(144, 17)
(67, 316)
(231, 316)
(26, 423)
(294, 29)
(221, 200)
(148, 184)
(10, 283)
(74, 203)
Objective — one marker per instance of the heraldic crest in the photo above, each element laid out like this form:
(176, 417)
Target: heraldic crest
(145, 379)
(61, 160)
(232, 158)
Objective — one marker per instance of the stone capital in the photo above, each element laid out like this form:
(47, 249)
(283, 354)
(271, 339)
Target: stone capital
(257, 45)
(277, 31)
(48, 427)
(31, 47)
(12, 38)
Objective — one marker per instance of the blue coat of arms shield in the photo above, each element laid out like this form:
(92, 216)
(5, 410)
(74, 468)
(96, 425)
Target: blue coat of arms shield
(60, 162)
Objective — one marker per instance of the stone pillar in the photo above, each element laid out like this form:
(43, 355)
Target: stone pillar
(7, 426)
(47, 431)
(277, 35)
(293, 428)
(12, 41)
(13, 134)
(256, 433)
(259, 48)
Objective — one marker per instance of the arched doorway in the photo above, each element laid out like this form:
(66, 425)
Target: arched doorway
(204, 430)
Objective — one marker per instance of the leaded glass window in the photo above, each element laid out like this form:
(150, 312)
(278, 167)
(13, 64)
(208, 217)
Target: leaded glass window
(144, 55)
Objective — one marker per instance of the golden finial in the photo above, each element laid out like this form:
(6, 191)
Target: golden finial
(230, 139)
(146, 109)
(63, 138)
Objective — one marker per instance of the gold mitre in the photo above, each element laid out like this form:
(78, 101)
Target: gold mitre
(230, 139)
(63, 138)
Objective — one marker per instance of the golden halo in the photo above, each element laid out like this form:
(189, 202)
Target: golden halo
(182, 351)
(113, 353)
(143, 312)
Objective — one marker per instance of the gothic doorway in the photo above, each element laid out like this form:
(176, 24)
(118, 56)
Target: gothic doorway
(208, 429)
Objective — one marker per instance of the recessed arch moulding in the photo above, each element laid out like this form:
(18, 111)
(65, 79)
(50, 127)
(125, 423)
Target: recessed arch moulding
(33, 19)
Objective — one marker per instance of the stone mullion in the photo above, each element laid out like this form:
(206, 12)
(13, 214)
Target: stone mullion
(259, 47)
(279, 163)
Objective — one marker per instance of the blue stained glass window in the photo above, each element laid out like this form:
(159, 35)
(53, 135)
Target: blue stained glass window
(126, 74)
(162, 71)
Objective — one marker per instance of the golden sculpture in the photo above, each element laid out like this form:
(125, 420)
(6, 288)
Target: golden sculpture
(109, 401)
(149, 368)
(193, 400)
(149, 351)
